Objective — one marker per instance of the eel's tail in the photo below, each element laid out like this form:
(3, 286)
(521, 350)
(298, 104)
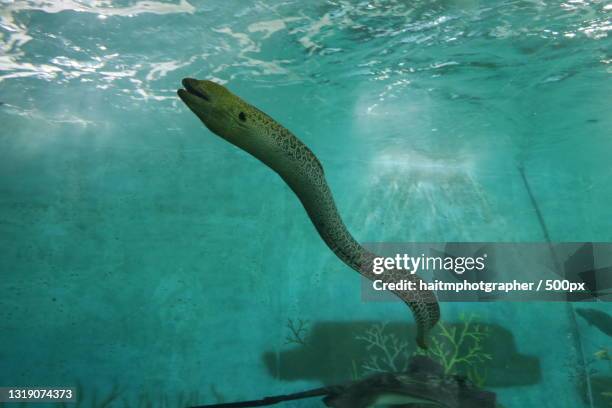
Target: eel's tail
(427, 315)
(423, 303)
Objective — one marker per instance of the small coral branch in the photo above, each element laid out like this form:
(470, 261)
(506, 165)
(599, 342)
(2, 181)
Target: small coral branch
(298, 332)
(387, 352)
(460, 347)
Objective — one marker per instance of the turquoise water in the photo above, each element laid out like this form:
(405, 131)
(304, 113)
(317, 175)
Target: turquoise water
(145, 259)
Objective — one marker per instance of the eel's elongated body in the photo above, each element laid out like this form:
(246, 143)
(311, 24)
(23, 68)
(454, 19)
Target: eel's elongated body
(245, 126)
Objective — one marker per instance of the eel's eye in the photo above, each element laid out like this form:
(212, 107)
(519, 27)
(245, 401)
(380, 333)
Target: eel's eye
(242, 116)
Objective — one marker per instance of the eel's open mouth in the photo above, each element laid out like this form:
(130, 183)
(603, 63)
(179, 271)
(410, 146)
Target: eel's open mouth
(192, 87)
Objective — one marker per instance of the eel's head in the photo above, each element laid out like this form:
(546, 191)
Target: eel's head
(224, 113)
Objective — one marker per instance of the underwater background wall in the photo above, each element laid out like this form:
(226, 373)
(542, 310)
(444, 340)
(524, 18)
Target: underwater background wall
(147, 262)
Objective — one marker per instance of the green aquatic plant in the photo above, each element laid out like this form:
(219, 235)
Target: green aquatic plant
(604, 354)
(459, 349)
(588, 376)
(386, 351)
(608, 396)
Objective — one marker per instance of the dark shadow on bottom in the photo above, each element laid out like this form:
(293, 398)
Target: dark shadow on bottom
(334, 352)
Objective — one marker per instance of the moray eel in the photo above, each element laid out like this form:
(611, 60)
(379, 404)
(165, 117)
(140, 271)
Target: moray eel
(248, 128)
